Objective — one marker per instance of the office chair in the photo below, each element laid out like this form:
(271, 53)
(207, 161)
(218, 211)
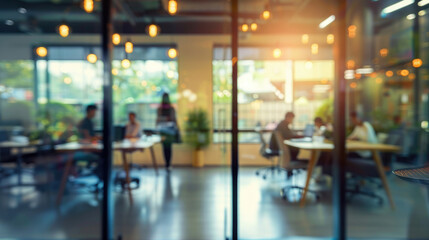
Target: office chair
(270, 155)
(364, 171)
(291, 166)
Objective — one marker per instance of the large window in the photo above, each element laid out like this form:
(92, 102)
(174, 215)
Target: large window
(267, 89)
(74, 81)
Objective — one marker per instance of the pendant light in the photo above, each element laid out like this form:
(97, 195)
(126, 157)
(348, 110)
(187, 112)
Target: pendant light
(41, 51)
(88, 5)
(172, 7)
(64, 30)
(125, 63)
(116, 39)
(153, 30)
(254, 27)
(277, 53)
(129, 47)
(266, 14)
(172, 53)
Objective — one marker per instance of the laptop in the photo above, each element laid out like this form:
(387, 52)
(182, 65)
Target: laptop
(307, 133)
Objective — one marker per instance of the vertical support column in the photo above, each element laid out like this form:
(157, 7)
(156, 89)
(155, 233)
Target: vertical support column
(107, 48)
(35, 81)
(48, 83)
(416, 54)
(234, 146)
(339, 154)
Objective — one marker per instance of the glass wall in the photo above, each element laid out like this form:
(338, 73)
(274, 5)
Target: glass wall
(386, 59)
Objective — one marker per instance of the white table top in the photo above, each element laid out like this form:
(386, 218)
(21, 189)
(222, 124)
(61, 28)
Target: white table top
(350, 146)
(123, 145)
(11, 144)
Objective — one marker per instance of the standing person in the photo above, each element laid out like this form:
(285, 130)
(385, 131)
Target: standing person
(132, 130)
(287, 133)
(167, 124)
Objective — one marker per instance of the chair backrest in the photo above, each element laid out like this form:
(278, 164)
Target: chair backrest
(263, 148)
(284, 153)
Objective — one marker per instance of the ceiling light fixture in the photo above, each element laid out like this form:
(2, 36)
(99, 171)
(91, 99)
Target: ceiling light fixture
(125, 63)
(277, 53)
(153, 30)
(245, 27)
(411, 16)
(22, 10)
(92, 58)
(41, 51)
(116, 38)
(266, 14)
(64, 30)
(396, 6)
(314, 48)
(330, 39)
(172, 53)
(327, 21)
(88, 5)
(172, 7)
(254, 27)
(305, 38)
(423, 3)
(129, 47)
(9, 22)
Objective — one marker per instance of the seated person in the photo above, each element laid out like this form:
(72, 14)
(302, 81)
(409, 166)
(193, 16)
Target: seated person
(320, 127)
(287, 133)
(86, 126)
(363, 131)
(86, 134)
(132, 129)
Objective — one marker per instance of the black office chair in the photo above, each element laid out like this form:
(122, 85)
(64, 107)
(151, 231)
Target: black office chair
(364, 171)
(291, 166)
(270, 155)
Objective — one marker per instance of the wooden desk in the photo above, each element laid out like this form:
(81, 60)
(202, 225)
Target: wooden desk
(124, 146)
(317, 148)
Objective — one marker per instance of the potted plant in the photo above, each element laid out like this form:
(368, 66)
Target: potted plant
(197, 134)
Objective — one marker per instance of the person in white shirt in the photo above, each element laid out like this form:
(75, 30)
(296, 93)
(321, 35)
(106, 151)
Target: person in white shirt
(132, 130)
(363, 131)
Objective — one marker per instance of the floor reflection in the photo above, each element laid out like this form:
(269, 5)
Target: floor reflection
(194, 203)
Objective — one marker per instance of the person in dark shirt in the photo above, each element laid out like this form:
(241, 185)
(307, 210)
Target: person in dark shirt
(286, 132)
(86, 126)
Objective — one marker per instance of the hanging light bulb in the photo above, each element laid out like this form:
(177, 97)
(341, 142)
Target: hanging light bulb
(417, 62)
(172, 53)
(129, 47)
(305, 38)
(92, 58)
(277, 53)
(244, 27)
(254, 27)
(116, 38)
(172, 7)
(266, 14)
(125, 63)
(314, 48)
(41, 51)
(330, 39)
(153, 30)
(88, 5)
(64, 30)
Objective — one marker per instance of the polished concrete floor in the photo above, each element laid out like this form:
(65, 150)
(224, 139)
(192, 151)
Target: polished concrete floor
(194, 204)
